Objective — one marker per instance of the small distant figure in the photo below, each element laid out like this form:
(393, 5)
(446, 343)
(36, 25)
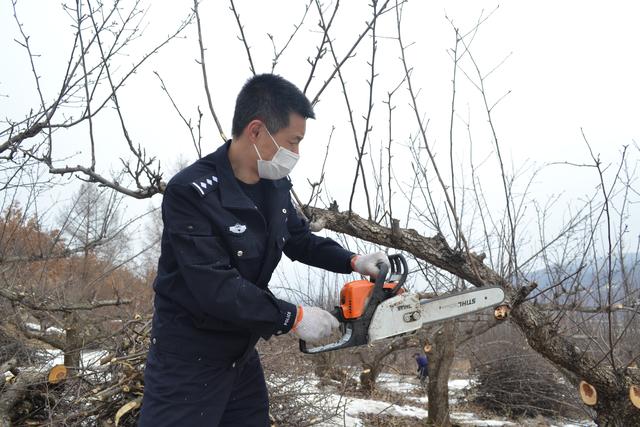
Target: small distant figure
(423, 366)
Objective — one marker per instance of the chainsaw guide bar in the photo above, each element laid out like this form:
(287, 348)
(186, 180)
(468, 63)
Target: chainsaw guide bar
(373, 311)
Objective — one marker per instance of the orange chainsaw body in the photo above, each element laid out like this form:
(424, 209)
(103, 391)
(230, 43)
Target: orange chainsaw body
(355, 295)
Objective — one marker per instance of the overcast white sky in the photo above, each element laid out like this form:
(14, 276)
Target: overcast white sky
(570, 65)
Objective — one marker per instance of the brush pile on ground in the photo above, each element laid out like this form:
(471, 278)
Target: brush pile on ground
(522, 384)
(105, 393)
(109, 391)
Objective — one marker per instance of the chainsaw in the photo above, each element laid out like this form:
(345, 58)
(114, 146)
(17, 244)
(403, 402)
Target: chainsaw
(372, 310)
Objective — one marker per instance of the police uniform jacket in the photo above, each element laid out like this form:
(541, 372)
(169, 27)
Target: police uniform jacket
(218, 252)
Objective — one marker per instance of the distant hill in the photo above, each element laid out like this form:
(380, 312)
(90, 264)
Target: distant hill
(588, 283)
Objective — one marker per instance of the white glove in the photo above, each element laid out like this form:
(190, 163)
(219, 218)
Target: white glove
(315, 324)
(368, 264)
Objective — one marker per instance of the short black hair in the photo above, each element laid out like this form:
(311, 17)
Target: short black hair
(270, 98)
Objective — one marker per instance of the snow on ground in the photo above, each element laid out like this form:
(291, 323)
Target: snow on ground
(355, 407)
(459, 384)
(37, 327)
(88, 358)
(89, 363)
(397, 383)
(471, 419)
(404, 384)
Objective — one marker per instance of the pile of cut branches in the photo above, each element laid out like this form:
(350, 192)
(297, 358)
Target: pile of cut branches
(109, 390)
(519, 383)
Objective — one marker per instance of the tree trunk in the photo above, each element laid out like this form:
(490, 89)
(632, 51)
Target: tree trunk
(73, 342)
(440, 361)
(373, 361)
(613, 408)
(369, 376)
(326, 368)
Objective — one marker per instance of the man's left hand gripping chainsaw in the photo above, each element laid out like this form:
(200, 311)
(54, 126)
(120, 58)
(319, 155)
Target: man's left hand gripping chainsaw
(372, 311)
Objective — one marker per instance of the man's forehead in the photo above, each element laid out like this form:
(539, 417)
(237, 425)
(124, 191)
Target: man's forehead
(292, 132)
(297, 126)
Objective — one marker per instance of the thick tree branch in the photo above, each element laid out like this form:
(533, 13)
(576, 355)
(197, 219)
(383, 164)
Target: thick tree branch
(23, 300)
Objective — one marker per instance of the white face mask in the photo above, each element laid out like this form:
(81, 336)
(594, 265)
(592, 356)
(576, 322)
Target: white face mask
(279, 166)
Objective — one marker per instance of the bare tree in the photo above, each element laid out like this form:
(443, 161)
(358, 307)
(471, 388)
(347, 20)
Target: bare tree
(91, 83)
(65, 289)
(572, 289)
(544, 330)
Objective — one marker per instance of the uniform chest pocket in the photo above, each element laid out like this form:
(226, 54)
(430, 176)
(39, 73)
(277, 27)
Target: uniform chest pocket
(194, 244)
(242, 247)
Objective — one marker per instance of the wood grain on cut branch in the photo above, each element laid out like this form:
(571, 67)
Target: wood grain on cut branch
(57, 374)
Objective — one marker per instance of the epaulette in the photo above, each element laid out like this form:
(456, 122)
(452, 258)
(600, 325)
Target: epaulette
(205, 185)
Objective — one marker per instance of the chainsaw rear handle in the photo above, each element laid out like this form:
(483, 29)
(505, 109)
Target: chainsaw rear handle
(356, 331)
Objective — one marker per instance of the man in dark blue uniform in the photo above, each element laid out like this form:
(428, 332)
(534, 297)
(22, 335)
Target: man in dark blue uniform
(227, 219)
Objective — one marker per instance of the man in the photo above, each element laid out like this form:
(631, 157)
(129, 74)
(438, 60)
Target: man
(227, 219)
(423, 367)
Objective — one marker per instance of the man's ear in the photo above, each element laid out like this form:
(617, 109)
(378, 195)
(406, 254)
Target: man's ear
(253, 130)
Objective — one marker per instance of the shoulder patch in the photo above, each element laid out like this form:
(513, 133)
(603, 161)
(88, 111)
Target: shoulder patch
(205, 185)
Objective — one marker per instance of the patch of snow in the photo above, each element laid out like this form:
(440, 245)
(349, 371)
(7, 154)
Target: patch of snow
(397, 383)
(32, 326)
(423, 400)
(404, 383)
(355, 407)
(37, 327)
(472, 419)
(459, 384)
(88, 358)
(360, 406)
(342, 420)
(349, 409)
(584, 423)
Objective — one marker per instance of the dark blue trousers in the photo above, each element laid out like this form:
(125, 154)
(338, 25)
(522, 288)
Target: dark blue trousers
(178, 392)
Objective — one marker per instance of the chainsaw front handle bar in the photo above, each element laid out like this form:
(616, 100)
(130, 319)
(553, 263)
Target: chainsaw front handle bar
(356, 331)
(399, 270)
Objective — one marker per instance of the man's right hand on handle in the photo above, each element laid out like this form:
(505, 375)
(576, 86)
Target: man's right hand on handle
(313, 324)
(368, 264)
